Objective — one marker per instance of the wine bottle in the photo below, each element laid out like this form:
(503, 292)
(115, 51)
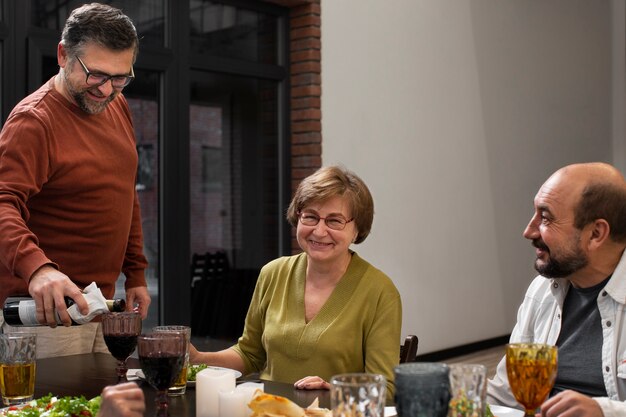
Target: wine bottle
(21, 312)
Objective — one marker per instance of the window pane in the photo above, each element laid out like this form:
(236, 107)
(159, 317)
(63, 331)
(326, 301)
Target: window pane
(234, 168)
(234, 192)
(142, 95)
(230, 32)
(147, 15)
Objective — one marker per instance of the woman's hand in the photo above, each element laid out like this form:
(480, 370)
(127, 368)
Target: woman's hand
(194, 355)
(311, 382)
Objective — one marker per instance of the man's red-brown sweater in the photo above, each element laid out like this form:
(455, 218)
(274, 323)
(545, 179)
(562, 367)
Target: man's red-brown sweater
(67, 194)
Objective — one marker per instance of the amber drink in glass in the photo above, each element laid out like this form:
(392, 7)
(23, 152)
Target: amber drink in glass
(531, 369)
(17, 367)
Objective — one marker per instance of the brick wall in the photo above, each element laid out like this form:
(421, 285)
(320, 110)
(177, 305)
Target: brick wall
(306, 86)
(306, 89)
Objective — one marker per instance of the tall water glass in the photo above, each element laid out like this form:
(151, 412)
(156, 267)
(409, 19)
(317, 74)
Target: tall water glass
(17, 367)
(180, 385)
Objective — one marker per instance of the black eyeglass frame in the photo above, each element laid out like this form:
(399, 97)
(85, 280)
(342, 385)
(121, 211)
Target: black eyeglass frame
(344, 224)
(126, 78)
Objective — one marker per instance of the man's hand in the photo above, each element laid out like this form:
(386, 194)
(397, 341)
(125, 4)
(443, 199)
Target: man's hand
(122, 400)
(311, 382)
(48, 286)
(571, 404)
(140, 296)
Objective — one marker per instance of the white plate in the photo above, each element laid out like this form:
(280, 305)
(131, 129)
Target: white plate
(135, 374)
(501, 411)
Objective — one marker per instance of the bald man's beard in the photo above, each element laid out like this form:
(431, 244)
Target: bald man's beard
(560, 265)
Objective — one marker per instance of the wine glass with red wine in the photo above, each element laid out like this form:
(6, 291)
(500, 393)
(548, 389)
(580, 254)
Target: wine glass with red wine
(120, 335)
(162, 357)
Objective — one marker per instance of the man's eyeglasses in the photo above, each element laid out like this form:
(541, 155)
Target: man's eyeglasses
(96, 79)
(332, 222)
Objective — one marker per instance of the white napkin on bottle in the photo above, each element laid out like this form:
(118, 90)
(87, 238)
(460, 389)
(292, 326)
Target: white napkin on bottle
(97, 305)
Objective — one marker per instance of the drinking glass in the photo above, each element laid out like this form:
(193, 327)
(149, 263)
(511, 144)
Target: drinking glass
(180, 385)
(358, 395)
(120, 332)
(531, 369)
(422, 389)
(17, 367)
(161, 356)
(468, 387)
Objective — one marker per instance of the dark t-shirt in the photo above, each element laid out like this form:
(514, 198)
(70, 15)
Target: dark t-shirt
(580, 343)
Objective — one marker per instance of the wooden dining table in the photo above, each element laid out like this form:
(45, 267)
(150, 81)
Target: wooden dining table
(88, 374)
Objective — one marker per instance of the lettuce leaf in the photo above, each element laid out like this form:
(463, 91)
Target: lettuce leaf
(193, 370)
(50, 406)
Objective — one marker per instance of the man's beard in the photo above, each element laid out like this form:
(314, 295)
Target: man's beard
(561, 266)
(85, 104)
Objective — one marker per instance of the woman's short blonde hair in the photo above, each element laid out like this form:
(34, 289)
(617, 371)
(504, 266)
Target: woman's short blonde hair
(335, 181)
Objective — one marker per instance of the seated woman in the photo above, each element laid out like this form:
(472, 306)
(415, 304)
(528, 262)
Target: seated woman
(325, 311)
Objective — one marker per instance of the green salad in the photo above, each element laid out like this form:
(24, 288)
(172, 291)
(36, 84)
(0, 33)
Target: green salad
(193, 370)
(51, 406)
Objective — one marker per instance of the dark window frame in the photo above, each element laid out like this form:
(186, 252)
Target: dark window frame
(24, 47)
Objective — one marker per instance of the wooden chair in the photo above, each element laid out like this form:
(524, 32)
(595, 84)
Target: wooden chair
(408, 350)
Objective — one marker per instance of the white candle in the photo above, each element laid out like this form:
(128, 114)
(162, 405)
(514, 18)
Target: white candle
(248, 389)
(232, 404)
(209, 382)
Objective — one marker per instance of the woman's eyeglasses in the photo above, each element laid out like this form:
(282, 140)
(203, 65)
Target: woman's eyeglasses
(332, 222)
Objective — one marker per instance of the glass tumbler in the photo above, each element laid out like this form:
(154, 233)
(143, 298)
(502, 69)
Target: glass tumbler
(358, 394)
(17, 367)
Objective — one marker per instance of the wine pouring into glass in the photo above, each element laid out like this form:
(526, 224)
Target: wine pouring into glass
(531, 369)
(120, 332)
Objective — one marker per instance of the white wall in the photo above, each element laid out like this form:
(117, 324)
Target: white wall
(454, 112)
(618, 11)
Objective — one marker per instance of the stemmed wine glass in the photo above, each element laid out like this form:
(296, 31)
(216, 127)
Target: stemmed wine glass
(531, 368)
(120, 332)
(161, 356)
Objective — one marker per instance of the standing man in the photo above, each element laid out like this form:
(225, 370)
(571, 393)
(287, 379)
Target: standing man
(578, 301)
(69, 213)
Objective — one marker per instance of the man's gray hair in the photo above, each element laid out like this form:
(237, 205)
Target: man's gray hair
(99, 24)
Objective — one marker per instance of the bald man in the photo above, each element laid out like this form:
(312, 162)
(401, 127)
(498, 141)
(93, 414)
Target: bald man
(578, 301)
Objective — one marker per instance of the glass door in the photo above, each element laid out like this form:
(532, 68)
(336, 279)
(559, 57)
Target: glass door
(237, 156)
(234, 187)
